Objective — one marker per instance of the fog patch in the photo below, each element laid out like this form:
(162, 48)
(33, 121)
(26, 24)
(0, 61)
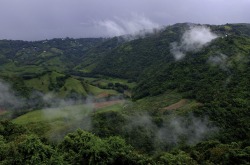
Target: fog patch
(176, 51)
(191, 130)
(219, 60)
(140, 120)
(67, 115)
(192, 40)
(129, 28)
(197, 37)
(8, 99)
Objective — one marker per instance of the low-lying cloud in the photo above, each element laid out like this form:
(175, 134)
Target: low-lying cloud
(192, 129)
(178, 129)
(192, 40)
(135, 26)
(219, 60)
(67, 115)
(8, 97)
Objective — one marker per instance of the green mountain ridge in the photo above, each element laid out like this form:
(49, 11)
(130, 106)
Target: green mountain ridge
(164, 110)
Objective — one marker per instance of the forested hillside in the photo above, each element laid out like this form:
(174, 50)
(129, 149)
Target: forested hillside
(178, 95)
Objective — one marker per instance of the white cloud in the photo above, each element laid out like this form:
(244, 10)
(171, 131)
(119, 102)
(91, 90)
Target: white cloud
(196, 38)
(192, 40)
(7, 97)
(219, 60)
(136, 25)
(112, 28)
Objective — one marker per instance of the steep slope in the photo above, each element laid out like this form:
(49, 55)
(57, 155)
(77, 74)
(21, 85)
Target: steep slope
(130, 59)
(215, 74)
(215, 67)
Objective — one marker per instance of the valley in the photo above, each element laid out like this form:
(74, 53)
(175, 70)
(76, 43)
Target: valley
(168, 97)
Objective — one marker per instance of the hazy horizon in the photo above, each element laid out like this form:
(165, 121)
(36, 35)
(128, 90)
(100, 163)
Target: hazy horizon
(39, 20)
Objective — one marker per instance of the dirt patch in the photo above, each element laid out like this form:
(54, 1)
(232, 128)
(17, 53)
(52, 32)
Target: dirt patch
(107, 103)
(102, 95)
(177, 105)
(2, 111)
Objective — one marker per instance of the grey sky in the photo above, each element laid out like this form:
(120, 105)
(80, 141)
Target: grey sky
(46, 19)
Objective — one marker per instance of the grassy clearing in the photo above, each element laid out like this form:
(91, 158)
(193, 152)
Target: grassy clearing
(98, 91)
(53, 114)
(104, 81)
(72, 85)
(66, 113)
(101, 105)
(114, 107)
(11, 67)
(111, 84)
(177, 105)
(55, 64)
(189, 105)
(41, 83)
(34, 116)
(55, 123)
(182, 106)
(87, 69)
(156, 102)
(160, 104)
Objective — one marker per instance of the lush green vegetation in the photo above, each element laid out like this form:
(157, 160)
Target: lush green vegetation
(112, 101)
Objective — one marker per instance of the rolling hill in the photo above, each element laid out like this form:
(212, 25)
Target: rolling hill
(180, 93)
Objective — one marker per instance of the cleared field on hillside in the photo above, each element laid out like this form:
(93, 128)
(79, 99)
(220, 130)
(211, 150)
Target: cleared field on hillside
(54, 123)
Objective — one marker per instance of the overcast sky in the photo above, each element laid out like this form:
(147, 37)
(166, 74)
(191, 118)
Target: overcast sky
(46, 19)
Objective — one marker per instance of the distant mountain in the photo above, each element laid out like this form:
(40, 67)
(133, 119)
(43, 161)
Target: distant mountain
(29, 58)
(148, 60)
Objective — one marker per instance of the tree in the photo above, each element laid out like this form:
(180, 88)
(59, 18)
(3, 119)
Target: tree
(29, 149)
(176, 159)
(82, 147)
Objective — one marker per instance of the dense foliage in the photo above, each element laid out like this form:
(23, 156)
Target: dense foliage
(194, 110)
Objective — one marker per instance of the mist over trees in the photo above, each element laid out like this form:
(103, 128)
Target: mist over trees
(179, 95)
